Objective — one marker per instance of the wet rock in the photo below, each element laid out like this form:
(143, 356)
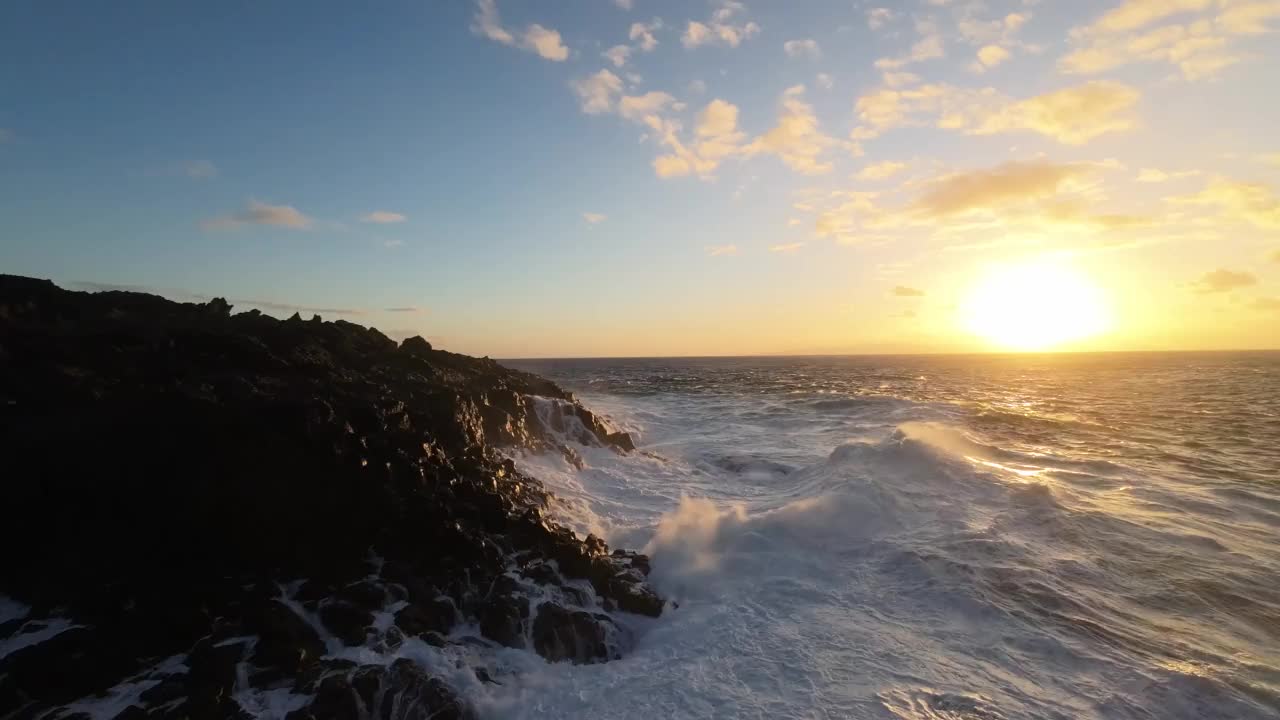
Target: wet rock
(373, 692)
(418, 618)
(285, 640)
(222, 457)
(574, 635)
(346, 621)
(503, 620)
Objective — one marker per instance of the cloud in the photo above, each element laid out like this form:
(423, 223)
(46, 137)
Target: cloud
(597, 92)
(1274, 256)
(1268, 304)
(881, 171)
(928, 47)
(995, 187)
(1134, 14)
(593, 218)
(786, 248)
(879, 17)
(623, 4)
(722, 250)
(617, 55)
(383, 217)
(719, 30)
(802, 48)
(545, 42)
(1199, 47)
(1152, 175)
(196, 169)
(643, 32)
(258, 213)
(824, 81)
(404, 309)
(716, 137)
(1253, 203)
(1221, 280)
(904, 291)
(990, 56)
(796, 139)
(1070, 116)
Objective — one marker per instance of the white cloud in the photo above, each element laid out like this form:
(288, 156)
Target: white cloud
(1152, 175)
(597, 92)
(383, 217)
(802, 48)
(796, 139)
(617, 55)
(594, 218)
(824, 81)
(624, 4)
(990, 56)
(196, 169)
(643, 33)
(545, 42)
(1198, 42)
(1071, 116)
(881, 171)
(720, 28)
(722, 250)
(879, 17)
(258, 213)
(697, 87)
(786, 247)
(928, 47)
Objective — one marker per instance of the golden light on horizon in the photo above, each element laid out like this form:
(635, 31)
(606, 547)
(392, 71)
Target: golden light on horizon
(1035, 305)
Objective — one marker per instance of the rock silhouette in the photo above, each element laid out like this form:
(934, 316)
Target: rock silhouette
(235, 491)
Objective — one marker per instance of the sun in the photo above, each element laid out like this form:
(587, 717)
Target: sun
(1035, 305)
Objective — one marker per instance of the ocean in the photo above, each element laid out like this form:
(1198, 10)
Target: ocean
(1021, 536)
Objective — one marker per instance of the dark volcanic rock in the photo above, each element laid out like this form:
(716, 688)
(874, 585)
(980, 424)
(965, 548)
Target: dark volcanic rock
(176, 469)
(346, 621)
(574, 635)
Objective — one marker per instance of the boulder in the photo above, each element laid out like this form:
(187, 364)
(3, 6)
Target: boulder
(345, 621)
(574, 635)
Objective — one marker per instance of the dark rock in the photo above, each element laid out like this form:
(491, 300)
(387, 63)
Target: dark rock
(416, 346)
(573, 635)
(346, 621)
(285, 640)
(416, 619)
(503, 620)
(219, 458)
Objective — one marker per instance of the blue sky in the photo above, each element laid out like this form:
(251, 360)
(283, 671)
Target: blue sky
(592, 177)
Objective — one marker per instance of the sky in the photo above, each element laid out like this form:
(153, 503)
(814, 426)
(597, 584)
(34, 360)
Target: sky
(643, 177)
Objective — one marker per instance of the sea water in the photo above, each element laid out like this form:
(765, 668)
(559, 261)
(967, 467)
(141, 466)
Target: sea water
(1073, 536)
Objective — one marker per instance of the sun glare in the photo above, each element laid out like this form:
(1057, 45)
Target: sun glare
(1035, 305)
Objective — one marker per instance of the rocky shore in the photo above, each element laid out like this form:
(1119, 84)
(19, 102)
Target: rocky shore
(214, 515)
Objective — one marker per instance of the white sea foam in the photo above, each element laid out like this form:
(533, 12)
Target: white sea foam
(876, 557)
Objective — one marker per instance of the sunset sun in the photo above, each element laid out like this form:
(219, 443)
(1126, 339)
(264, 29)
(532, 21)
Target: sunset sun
(1035, 305)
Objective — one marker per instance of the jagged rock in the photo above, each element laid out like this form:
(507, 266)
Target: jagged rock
(364, 594)
(418, 618)
(220, 458)
(346, 621)
(503, 620)
(573, 635)
(372, 692)
(416, 346)
(285, 640)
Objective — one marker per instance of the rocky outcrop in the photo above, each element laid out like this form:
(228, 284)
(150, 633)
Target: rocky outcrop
(248, 497)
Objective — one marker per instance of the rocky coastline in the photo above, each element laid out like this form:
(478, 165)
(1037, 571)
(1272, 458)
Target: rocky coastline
(214, 514)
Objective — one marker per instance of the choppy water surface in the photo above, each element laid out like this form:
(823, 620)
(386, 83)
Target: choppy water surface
(934, 537)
